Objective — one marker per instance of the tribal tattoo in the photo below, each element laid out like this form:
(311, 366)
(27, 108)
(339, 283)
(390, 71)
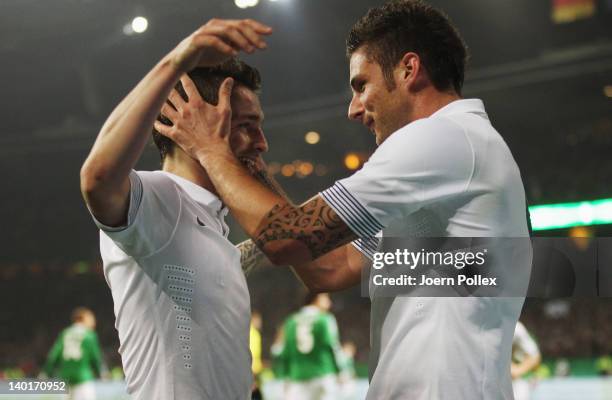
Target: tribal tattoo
(250, 256)
(315, 224)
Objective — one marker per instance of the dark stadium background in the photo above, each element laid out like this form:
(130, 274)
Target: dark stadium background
(67, 63)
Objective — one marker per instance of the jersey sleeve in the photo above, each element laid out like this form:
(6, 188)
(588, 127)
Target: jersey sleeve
(330, 329)
(93, 350)
(368, 246)
(332, 339)
(422, 163)
(152, 215)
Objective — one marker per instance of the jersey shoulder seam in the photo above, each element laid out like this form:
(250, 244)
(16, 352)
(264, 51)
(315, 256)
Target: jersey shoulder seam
(174, 229)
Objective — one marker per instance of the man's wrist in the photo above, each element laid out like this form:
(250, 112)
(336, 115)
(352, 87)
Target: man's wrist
(177, 59)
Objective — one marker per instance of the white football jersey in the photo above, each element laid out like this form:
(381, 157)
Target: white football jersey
(181, 301)
(448, 175)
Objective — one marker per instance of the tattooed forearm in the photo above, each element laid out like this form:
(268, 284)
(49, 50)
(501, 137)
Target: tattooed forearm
(251, 257)
(259, 172)
(315, 224)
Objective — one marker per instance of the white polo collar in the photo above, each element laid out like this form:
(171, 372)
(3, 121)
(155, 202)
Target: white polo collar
(462, 106)
(198, 193)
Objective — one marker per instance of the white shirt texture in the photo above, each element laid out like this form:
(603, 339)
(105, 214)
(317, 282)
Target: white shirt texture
(181, 301)
(448, 175)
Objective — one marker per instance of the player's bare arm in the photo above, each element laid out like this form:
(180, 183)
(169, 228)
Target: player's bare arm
(313, 226)
(287, 234)
(337, 270)
(250, 255)
(105, 174)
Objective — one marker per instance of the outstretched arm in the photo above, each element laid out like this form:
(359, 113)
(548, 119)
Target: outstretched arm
(251, 257)
(105, 174)
(287, 234)
(337, 270)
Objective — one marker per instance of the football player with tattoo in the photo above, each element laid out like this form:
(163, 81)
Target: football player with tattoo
(440, 170)
(180, 296)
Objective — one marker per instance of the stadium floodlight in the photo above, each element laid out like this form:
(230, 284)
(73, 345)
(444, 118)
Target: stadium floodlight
(567, 215)
(312, 137)
(241, 3)
(140, 24)
(352, 161)
(246, 3)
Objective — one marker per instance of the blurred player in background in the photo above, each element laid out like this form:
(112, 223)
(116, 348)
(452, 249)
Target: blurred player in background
(311, 352)
(347, 372)
(76, 357)
(525, 358)
(275, 389)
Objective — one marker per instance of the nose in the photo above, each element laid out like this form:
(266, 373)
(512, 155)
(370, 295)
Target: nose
(356, 110)
(260, 144)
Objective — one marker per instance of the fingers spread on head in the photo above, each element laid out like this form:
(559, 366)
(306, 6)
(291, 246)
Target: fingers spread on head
(190, 88)
(176, 100)
(225, 93)
(165, 130)
(169, 112)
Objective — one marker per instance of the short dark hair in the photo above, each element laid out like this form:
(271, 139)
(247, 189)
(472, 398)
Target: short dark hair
(207, 81)
(401, 26)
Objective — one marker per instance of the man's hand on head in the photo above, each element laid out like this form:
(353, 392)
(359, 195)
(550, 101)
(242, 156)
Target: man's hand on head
(198, 127)
(105, 182)
(217, 41)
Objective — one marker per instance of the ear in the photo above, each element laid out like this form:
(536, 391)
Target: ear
(409, 69)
